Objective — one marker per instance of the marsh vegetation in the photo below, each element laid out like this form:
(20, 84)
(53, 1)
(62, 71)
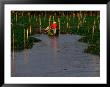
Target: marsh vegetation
(25, 24)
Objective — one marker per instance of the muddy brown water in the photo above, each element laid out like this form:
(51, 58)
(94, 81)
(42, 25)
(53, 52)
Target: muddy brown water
(61, 56)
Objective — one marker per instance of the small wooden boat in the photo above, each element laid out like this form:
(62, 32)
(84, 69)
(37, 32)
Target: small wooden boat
(51, 33)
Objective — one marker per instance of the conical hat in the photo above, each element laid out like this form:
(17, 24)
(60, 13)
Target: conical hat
(54, 22)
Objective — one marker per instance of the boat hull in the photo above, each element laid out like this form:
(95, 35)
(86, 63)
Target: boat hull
(51, 33)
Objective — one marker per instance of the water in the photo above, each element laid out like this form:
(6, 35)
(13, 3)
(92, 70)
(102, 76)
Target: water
(61, 56)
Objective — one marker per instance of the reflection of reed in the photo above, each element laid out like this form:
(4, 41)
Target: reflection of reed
(26, 56)
(13, 65)
(13, 59)
(13, 45)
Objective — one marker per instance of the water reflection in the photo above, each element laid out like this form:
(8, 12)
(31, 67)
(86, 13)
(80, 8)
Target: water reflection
(54, 45)
(26, 56)
(14, 56)
(13, 63)
(50, 56)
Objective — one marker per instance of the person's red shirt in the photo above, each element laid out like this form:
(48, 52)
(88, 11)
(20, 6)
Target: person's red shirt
(53, 26)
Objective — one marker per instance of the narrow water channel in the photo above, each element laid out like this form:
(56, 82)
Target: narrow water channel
(61, 56)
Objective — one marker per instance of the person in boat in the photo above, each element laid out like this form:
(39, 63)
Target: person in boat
(53, 27)
(51, 30)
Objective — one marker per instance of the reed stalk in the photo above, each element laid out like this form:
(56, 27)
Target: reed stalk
(53, 19)
(16, 17)
(93, 28)
(27, 33)
(59, 24)
(30, 29)
(22, 14)
(24, 38)
(29, 17)
(49, 20)
(40, 22)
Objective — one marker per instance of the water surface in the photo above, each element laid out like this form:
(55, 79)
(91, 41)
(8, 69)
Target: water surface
(61, 56)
